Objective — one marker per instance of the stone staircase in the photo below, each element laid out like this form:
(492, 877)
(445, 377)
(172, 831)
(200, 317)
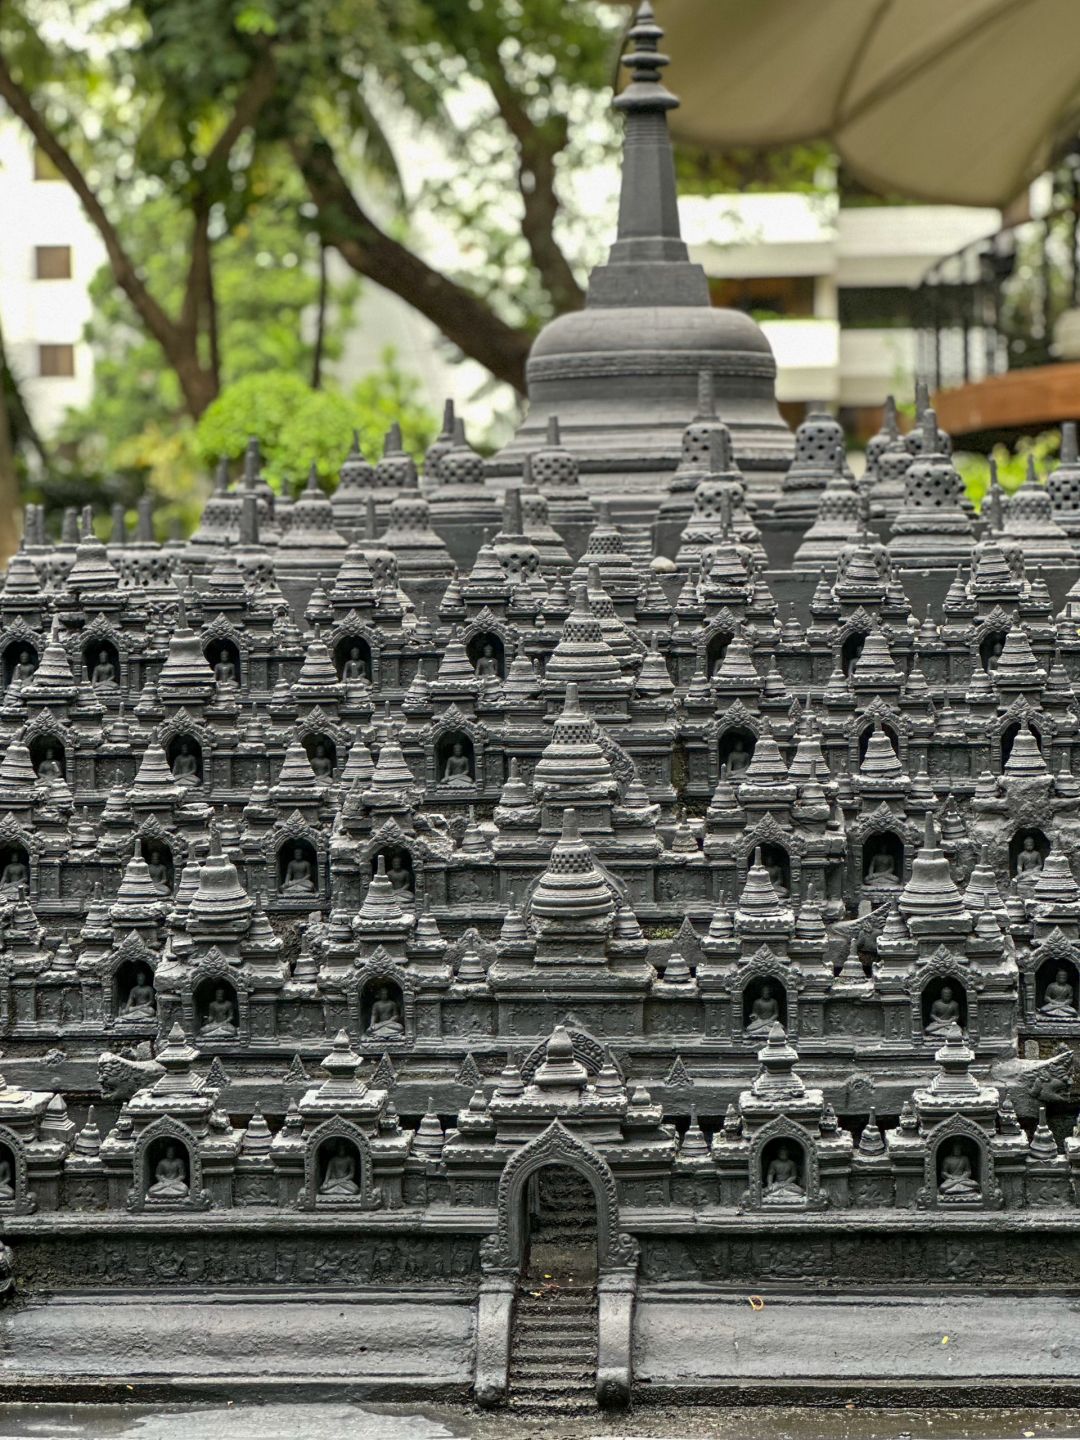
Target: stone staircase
(553, 1357)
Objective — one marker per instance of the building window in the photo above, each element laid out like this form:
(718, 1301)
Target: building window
(52, 262)
(876, 307)
(56, 361)
(782, 297)
(44, 169)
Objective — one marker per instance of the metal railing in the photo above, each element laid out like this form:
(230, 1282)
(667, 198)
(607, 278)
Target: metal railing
(994, 306)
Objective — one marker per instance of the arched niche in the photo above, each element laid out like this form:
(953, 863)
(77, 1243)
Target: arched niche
(959, 1169)
(9, 1176)
(944, 1002)
(159, 859)
(784, 1171)
(382, 1010)
(297, 868)
(322, 755)
(21, 660)
(399, 870)
(715, 651)
(735, 749)
(1008, 738)
(14, 865)
(883, 859)
(101, 662)
(133, 992)
(185, 757)
(851, 650)
(455, 760)
(167, 1171)
(487, 654)
(48, 758)
(217, 1008)
(778, 863)
(990, 647)
(560, 1223)
(868, 730)
(223, 657)
(338, 1170)
(352, 658)
(764, 1002)
(1057, 990)
(1026, 844)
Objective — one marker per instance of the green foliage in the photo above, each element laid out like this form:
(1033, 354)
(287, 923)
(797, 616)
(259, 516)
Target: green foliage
(133, 435)
(805, 169)
(1012, 465)
(298, 426)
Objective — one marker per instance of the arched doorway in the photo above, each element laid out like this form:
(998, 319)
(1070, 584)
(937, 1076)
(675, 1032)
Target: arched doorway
(715, 652)
(20, 662)
(557, 1292)
(990, 648)
(223, 657)
(352, 658)
(487, 655)
(850, 650)
(864, 740)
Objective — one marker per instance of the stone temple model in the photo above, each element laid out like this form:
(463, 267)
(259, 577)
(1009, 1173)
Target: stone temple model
(376, 924)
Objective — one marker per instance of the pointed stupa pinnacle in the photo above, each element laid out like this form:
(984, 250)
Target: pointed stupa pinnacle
(648, 234)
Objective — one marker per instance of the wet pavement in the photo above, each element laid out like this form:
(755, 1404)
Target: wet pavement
(336, 1420)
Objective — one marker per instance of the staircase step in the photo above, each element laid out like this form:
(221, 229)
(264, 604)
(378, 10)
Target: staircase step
(546, 1342)
(544, 1385)
(555, 1377)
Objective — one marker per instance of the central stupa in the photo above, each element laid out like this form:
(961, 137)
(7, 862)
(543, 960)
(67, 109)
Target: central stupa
(621, 375)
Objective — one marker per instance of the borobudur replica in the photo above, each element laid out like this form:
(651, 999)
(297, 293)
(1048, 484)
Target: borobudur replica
(431, 967)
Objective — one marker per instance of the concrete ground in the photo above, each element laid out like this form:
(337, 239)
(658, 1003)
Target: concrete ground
(387, 1422)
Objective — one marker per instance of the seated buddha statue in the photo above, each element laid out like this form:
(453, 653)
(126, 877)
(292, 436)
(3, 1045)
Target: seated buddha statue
(945, 1011)
(104, 672)
(1029, 862)
(738, 757)
(322, 767)
(225, 670)
(764, 1012)
(994, 656)
(14, 872)
(776, 875)
(400, 876)
(7, 1180)
(219, 1017)
(882, 869)
(457, 770)
(782, 1179)
(385, 1022)
(354, 667)
(185, 767)
(141, 1002)
(49, 769)
(487, 667)
(169, 1177)
(25, 666)
(340, 1176)
(1059, 1002)
(159, 871)
(298, 879)
(956, 1177)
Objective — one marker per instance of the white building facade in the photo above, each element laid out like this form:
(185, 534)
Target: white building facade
(49, 253)
(832, 287)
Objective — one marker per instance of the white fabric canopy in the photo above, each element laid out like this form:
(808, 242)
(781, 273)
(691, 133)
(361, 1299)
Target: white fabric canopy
(958, 101)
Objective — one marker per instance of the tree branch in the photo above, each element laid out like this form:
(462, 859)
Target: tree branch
(536, 184)
(461, 316)
(178, 338)
(153, 316)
